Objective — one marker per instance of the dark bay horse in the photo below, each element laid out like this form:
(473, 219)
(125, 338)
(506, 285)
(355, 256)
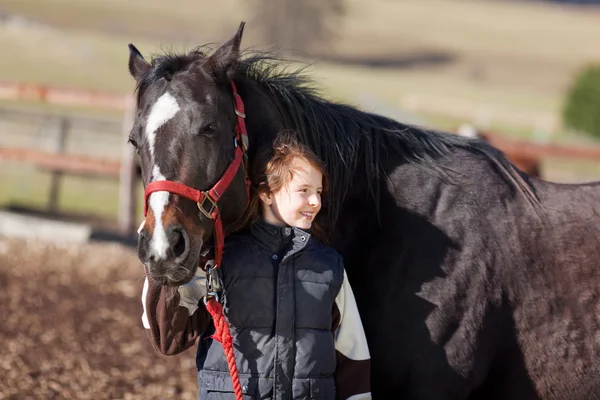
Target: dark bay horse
(474, 281)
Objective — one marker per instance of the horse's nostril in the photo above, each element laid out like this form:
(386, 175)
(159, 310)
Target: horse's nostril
(179, 243)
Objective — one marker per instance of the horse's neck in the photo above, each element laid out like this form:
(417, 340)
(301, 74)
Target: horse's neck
(263, 119)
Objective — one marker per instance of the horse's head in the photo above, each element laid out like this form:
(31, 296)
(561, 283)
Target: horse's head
(185, 133)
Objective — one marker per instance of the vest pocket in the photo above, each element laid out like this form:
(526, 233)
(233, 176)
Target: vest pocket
(322, 388)
(218, 386)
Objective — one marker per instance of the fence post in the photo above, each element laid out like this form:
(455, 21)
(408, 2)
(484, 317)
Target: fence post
(127, 178)
(58, 147)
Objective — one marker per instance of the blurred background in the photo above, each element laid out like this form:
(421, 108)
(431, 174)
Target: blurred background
(522, 74)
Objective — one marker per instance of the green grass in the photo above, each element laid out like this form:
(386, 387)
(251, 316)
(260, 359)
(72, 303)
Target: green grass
(156, 19)
(570, 170)
(67, 58)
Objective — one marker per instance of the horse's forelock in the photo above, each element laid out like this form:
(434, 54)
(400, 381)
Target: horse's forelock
(165, 66)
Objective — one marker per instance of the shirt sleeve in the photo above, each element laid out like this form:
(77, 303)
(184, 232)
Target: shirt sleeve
(353, 368)
(173, 316)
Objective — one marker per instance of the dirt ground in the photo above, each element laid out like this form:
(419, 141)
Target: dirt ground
(70, 327)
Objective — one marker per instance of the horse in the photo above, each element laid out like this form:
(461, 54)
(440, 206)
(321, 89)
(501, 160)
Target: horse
(473, 280)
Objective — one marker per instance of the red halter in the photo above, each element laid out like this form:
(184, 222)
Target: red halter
(207, 200)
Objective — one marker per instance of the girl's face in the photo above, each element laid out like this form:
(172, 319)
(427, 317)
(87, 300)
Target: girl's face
(299, 201)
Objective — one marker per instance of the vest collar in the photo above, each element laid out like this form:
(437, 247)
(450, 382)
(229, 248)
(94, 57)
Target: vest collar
(276, 237)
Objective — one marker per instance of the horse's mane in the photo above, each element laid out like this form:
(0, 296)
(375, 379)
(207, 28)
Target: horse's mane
(339, 134)
(342, 135)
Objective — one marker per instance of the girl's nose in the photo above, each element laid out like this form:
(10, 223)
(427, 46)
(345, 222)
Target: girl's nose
(314, 200)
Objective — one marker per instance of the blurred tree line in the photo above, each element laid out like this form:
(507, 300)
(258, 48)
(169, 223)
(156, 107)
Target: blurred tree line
(298, 24)
(581, 111)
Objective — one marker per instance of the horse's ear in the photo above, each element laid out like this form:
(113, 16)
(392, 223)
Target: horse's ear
(227, 55)
(137, 64)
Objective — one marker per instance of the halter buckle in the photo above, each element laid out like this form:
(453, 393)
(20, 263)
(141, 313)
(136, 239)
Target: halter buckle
(245, 143)
(213, 205)
(240, 114)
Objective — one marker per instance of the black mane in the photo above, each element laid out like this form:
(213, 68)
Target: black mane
(339, 134)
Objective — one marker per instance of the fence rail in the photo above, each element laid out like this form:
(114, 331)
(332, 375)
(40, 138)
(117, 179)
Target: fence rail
(65, 163)
(60, 96)
(527, 149)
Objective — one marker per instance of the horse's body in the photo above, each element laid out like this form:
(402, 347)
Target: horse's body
(473, 280)
(466, 292)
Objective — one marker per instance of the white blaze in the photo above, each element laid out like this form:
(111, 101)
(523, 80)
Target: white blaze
(162, 112)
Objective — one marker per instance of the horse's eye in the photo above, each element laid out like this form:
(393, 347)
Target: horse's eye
(133, 142)
(210, 128)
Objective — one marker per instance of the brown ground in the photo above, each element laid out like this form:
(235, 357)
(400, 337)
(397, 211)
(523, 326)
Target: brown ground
(70, 327)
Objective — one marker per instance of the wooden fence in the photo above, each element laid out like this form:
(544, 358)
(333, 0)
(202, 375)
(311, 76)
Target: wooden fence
(60, 162)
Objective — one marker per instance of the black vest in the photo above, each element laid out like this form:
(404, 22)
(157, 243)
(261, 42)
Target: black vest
(280, 288)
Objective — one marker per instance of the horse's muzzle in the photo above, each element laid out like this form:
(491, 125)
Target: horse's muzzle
(169, 256)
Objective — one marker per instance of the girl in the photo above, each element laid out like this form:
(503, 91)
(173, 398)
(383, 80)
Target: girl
(297, 332)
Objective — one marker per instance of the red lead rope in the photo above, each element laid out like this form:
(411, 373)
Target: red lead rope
(212, 196)
(223, 335)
